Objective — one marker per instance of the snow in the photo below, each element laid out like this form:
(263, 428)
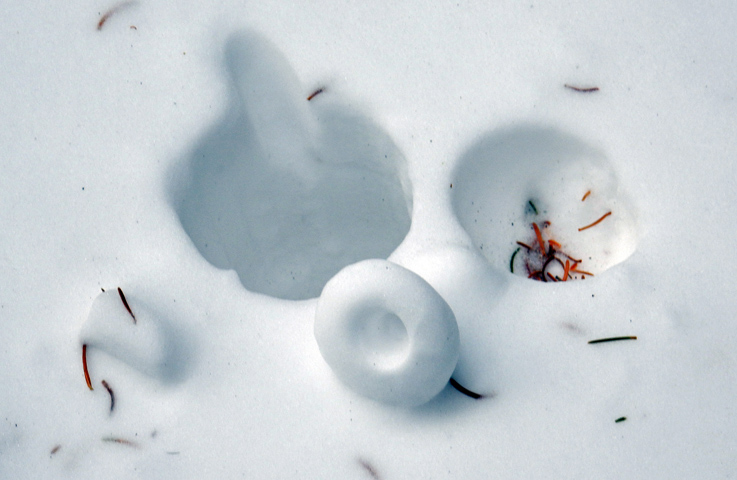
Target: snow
(386, 333)
(525, 175)
(146, 341)
(103, 185)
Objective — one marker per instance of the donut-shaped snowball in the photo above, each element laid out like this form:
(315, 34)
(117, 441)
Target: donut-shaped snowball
(386, 333)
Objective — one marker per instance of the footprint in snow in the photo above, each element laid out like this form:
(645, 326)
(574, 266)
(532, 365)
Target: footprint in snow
(287, 191)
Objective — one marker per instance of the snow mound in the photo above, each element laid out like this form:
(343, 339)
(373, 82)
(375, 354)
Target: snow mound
(141, 338)
(521, 191)
(286, 191)
(386, 333)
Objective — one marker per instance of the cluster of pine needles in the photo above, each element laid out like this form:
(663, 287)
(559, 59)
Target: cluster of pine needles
(546, 261)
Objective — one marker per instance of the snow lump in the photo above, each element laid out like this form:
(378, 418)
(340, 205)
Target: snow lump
(386, 333)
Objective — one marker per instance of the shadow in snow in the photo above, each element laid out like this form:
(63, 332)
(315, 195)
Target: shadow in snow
(286, 191)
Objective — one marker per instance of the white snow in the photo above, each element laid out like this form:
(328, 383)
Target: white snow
(147, 342)
(173, 153)
(386, 333)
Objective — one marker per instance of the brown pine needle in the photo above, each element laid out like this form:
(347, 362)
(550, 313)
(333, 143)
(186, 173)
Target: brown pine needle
(586, 195)
(84, 367)
(582, 89)
(125, 302)
(318, 92)
(112, 11)
(121, 441)
(104, 18)
(112, 397)
(612, 339)
(596, 222)
(464, 390)
(369, 468)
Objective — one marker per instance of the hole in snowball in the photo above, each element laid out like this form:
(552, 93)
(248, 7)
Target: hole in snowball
(526, 176)
(287, 192)
(383, 339)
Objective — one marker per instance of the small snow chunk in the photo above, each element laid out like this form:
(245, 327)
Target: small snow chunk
(386, 333)
(148, 345)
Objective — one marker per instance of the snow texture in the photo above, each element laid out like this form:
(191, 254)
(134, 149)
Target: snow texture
(386, 333)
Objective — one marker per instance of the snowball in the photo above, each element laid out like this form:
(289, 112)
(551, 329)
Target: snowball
(386, 333)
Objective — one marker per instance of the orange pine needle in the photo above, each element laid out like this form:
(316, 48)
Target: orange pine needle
(84, 366)
(552, 277)
(586, 195)
(555, 244)
(566, 270)
(539, 238)
(582, 272)
(596, 222)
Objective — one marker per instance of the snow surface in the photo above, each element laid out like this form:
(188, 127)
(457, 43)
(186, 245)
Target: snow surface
(104, 185)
